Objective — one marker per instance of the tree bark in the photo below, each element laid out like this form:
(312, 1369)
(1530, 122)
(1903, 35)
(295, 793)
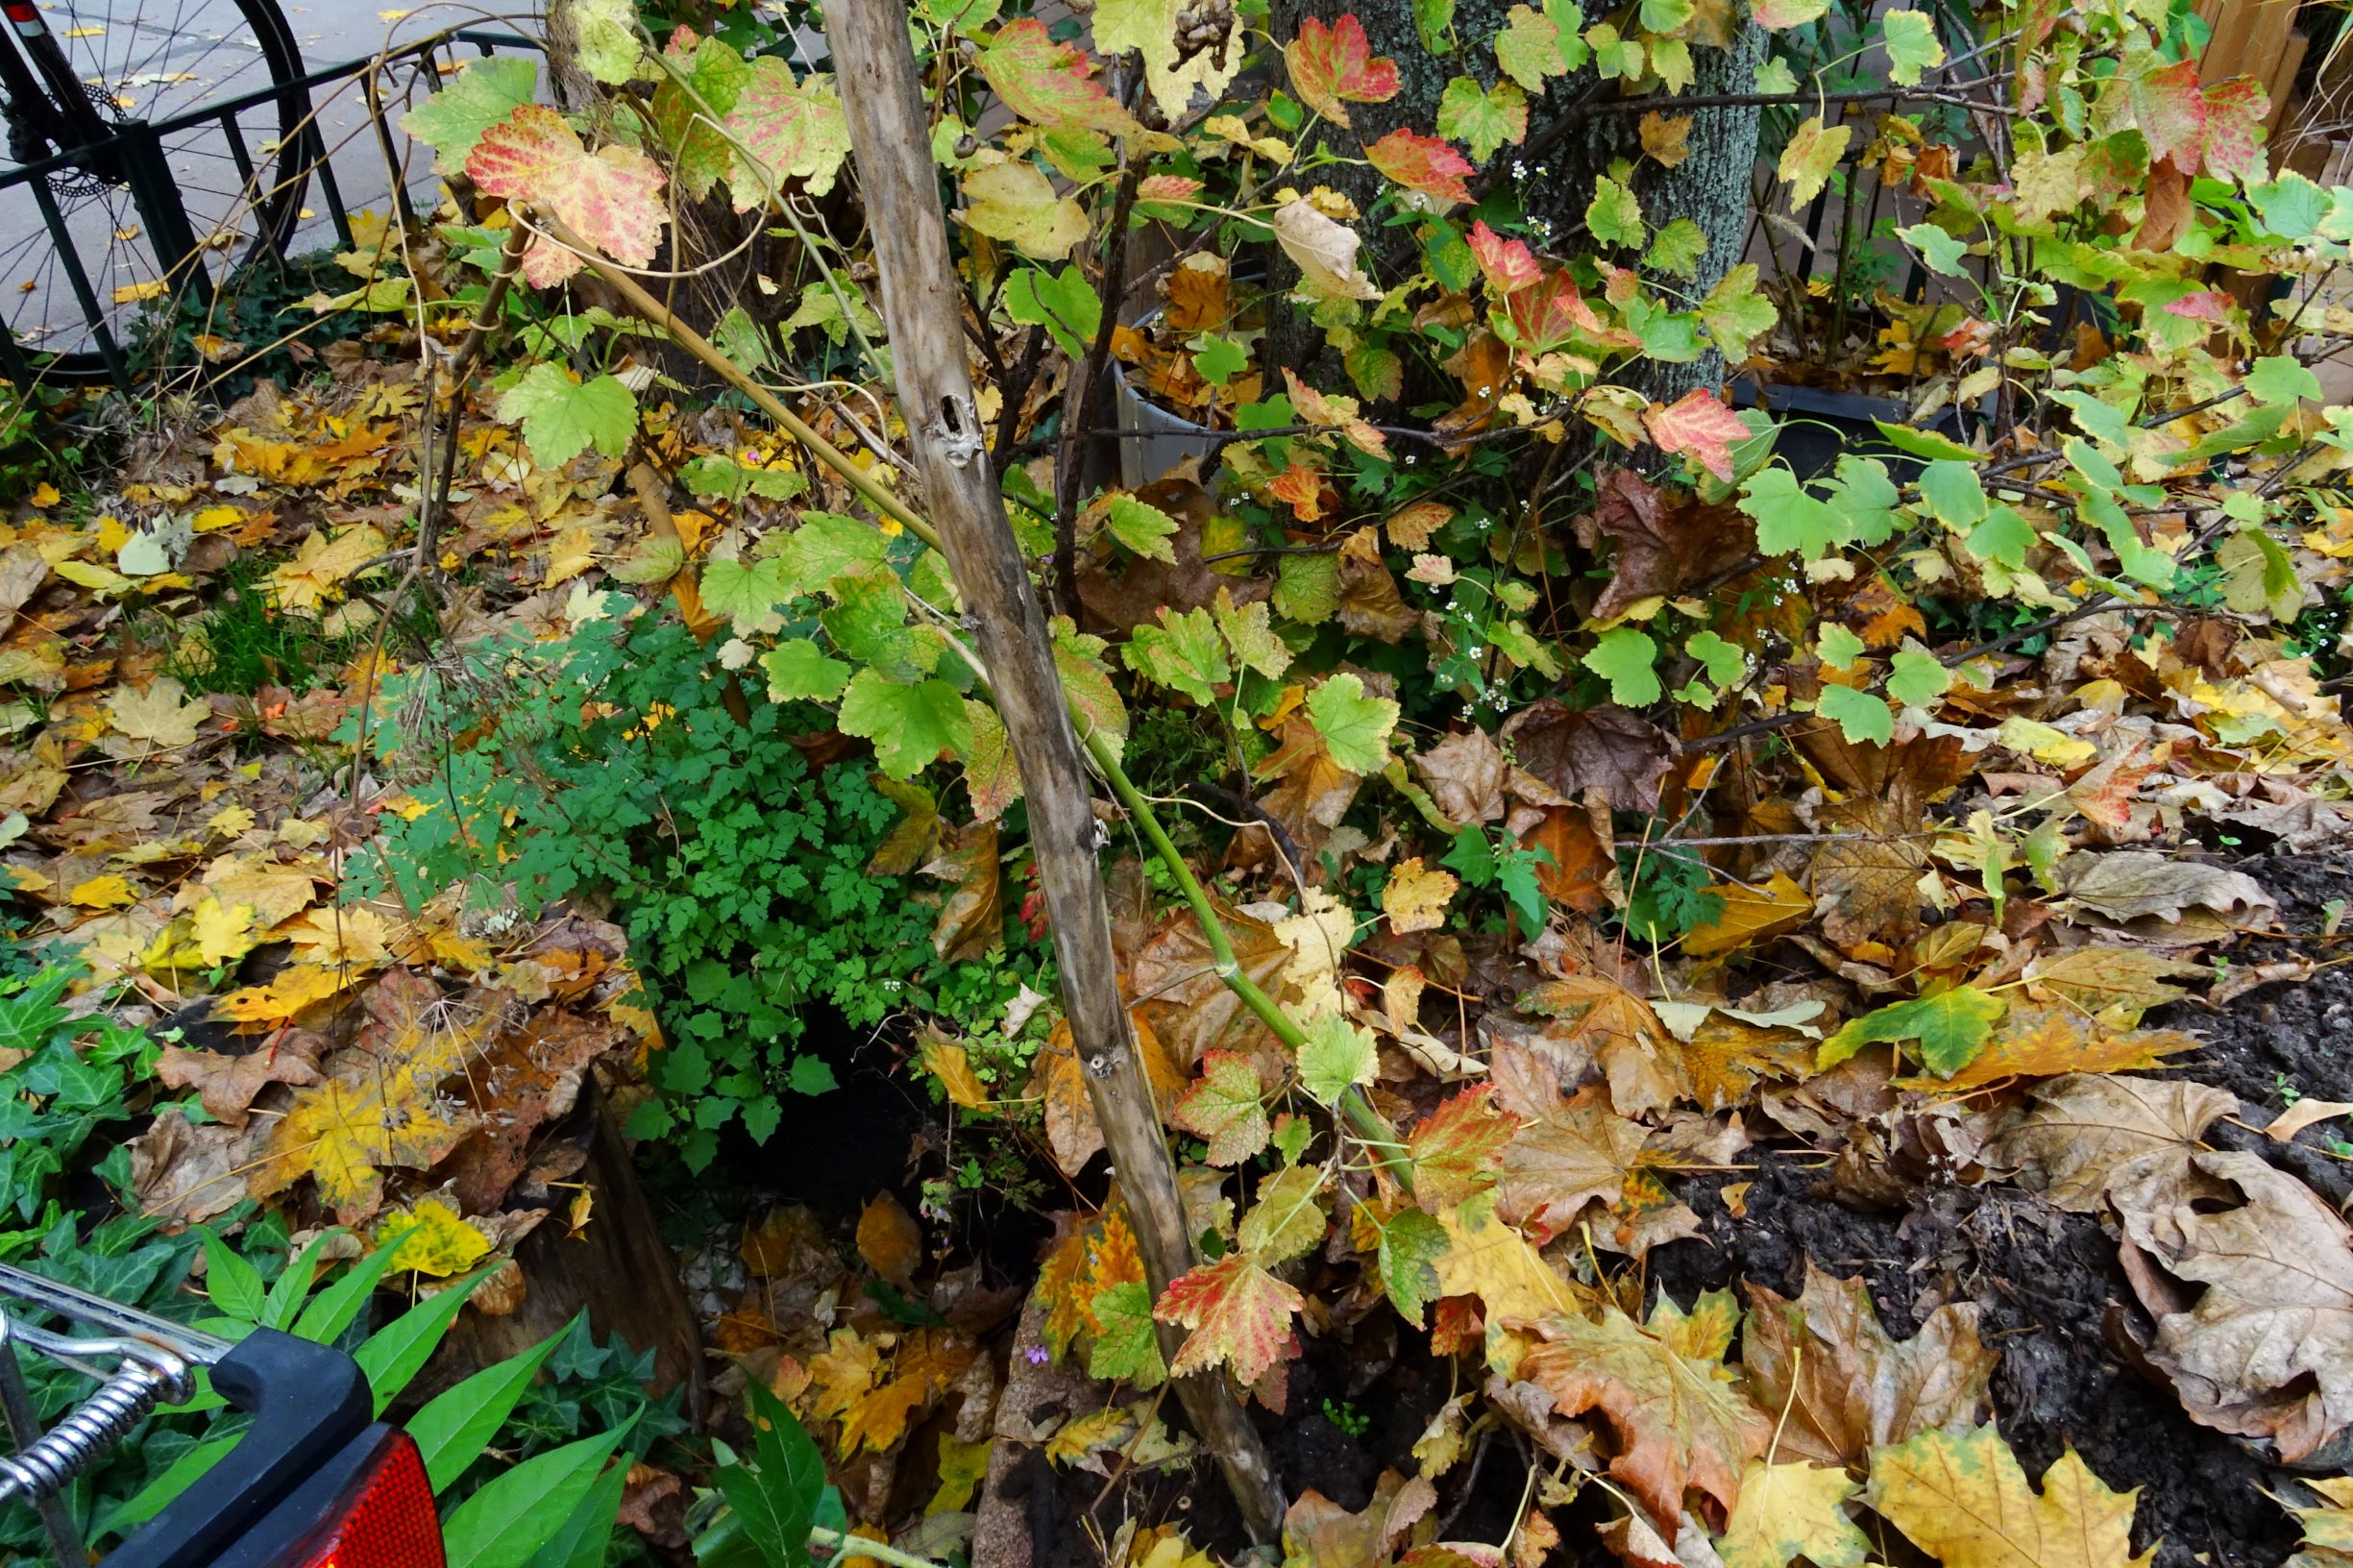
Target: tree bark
(923, 308)
(1710, 187)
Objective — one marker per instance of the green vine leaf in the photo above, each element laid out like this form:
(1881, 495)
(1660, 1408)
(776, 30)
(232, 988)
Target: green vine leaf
(911, 725)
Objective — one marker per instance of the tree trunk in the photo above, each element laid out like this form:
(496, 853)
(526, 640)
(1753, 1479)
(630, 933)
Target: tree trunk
(1710, 187)
(923, 309)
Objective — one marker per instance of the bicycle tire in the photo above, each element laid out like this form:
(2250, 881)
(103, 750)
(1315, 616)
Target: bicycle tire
(250, 220)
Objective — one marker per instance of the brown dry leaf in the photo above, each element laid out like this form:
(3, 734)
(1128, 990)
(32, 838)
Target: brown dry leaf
(189, 1173)
(1961, 1497)
(1677, 1421)
(972, 919)
(147, 723)
(1464, 776)
(1189, 1009)
(1605, 748)
(1317, 1531)
(1727, 1057)
(1866, 880)
(2119, 982)
(1198, 295)
(1661, 544)
(1621, 1034)
(889, 1239)
(1566, 1154)
(529, 1074)
(1116, 600)
(2044, 1043)
(2145, 884)
(2088, 1132)
(1415, 896)
(2266, 1350)
(1847, 1386)
(1371, 605)
(1311, 793)
(227, 1082)
(2283, 1128)
(1582, 863)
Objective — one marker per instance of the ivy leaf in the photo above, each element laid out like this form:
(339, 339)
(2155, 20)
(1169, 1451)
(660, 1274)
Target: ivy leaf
(1333, 66)
(1142, 528)
(562, 417)
(785, 129)
(1411, 1244)
(1049, 84)
(486, 92)
(1482, 118)
(1614, 215)
(1944, 1031)
(1183, 652)
(798, 669)
(1355, 728)
(1066, 306)
(1126, 1349)
(1458, 1149)
(1912, 46)
(1423, 164)
(1225, 1105)
(1623, 657)
(911, 725)
(1338, 1056)
(1240, 1316)
(1812, 153)
(1918, 677)
(1864, 720)
(1699, 425)
(611, 199)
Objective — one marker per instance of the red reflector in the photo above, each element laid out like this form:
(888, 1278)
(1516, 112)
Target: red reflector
(384, 1519)
(21, 12)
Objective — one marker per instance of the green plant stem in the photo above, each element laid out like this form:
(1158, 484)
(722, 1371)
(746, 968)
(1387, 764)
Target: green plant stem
(861, 1546)
(1355, 1108)
(1368, 1124)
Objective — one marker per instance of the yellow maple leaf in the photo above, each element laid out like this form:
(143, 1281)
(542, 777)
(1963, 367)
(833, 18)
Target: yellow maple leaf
(341, 935)
(1488, 1259)
(1415, 896)
(948, 1061)
(298, 986)
(230, 822)
(160, 718)
(431, 1238)
(569, 554)
(104, 893)
(310, 580)
(384, 1104)
(217, 933)
(1962, 1498)
(1792, 1511)
(962, 1467)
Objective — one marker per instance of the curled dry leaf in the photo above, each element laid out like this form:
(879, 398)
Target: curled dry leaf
(2266, 1349)
(2087, 1133)
(2142, 884)
(1325, 251)
(1464, 776)
(1847, 1385)
(1605, 748)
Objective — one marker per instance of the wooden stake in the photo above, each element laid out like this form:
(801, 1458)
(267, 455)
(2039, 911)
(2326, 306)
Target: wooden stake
(924, 306)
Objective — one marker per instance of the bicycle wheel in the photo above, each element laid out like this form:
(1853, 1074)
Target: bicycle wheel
(238, 168)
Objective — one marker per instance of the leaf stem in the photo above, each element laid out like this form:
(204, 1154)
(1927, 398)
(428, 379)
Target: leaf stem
(861, 1546)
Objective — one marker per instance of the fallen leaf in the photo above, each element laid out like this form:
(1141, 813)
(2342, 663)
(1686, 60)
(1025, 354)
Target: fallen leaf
(1961, 1498)
(889, 1239)
(1792, 1511)
(2141, 884)
(1847, 1386)
(2266, 1349)
(2088, 1132)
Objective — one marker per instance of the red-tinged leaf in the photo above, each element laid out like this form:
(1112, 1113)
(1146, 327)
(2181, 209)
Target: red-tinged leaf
(1458, 1149)
(785, 129)
(1700, 427)
(1509, 264)
(2171, 114)
(1302, 488)
(2206, 305)
(610, 198)
(1422, 164)
(1330, 63)
(1240, 1314)
(1166, 187)
(1225, 1104)
(1552, 312)
(1339, 412)
(1049, 84)
(2236, 112)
